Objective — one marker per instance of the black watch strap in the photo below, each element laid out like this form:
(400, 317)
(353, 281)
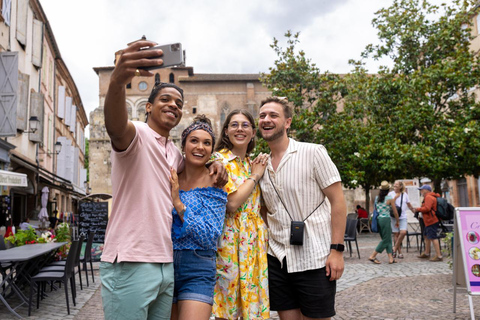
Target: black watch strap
(338, 247)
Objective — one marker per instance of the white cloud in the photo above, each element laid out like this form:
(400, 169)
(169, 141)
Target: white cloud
(218, 36)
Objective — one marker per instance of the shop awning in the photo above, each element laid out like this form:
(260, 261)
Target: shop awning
(13, 179)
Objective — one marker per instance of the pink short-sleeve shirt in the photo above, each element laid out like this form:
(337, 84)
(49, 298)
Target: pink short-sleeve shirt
(139, 227)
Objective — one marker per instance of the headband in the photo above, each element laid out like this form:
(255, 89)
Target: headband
(197, 125)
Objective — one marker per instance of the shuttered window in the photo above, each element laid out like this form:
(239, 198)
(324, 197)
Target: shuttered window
(23, 98)
(37, 102)
(22, 14)
(8, 93)
(68, 110)
(37, 43)
(61, 102)
(73, 119)
(6, 11)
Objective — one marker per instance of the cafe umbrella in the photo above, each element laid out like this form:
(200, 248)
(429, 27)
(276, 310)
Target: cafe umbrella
(43, 214)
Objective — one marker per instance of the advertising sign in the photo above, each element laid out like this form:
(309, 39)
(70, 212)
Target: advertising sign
(468, 228)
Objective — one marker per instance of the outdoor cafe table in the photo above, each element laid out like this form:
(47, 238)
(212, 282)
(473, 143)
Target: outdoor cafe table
(18, 258)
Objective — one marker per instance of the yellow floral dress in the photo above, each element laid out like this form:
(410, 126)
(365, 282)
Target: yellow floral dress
(241, 289)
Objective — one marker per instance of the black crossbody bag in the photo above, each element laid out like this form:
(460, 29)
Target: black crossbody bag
(297, 228)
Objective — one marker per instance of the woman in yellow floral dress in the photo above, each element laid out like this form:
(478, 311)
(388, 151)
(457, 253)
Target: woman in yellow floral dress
(241, 290)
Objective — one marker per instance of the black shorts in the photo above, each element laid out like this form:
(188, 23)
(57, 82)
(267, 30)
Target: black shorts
(310, 290)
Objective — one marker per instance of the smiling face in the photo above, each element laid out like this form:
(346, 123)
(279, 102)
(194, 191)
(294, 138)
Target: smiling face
(240, 132)
(397, 187)
(272, 123)
(198, 147)
(165, 111)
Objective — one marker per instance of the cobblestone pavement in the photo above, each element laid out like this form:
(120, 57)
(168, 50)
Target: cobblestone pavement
(410, 289)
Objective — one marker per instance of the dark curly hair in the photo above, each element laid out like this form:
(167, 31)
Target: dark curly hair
(200, 122)
(156, 89)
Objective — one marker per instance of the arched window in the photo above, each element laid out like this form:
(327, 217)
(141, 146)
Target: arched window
(157, 78)
(172, 78)
(223, 114)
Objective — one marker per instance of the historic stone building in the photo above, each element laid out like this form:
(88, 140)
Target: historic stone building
(214, 95)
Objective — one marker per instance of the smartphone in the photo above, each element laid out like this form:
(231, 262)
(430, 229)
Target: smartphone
(172, 56)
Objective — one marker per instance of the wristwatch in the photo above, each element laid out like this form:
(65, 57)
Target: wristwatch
(338, 247)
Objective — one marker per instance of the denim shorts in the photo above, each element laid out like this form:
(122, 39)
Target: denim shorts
(195, 272)
(402, 225)
(431, 231)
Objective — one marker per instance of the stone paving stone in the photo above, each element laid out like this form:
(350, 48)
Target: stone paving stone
(412, 289)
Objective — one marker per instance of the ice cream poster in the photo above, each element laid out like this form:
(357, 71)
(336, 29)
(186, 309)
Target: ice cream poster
(469, 227)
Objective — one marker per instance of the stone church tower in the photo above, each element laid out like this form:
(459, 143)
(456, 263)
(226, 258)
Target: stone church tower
(214, 95)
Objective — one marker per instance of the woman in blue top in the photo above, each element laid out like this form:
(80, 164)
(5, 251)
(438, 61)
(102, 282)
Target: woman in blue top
(198, 215)
(383, 203)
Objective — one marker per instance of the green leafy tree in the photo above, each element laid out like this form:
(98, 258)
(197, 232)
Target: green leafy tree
(415, 118)
(434, 115)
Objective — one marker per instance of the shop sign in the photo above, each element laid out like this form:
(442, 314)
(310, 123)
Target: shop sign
(13, 179)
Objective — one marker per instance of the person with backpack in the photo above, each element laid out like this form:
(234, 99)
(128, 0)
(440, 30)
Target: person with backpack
(428, 209)
(402, 201)
(383, 204)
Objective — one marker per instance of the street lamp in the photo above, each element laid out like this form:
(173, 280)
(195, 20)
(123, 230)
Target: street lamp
(34, 124)
(58, 148)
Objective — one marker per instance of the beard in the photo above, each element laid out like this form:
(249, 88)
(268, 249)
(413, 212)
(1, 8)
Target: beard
(276, 134)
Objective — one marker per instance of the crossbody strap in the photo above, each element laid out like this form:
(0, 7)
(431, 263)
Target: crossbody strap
(284, 203)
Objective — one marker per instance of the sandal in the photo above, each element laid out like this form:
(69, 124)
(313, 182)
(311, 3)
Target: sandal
(399, 256)
(394, 261)
(375, 260)
(394, 254)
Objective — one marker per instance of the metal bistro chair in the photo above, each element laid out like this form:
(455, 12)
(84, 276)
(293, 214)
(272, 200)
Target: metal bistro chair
(59, 265)
(87, 256)
(351, 235)
(68, 274)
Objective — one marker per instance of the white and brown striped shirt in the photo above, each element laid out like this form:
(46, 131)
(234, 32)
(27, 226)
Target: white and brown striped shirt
(303, 172)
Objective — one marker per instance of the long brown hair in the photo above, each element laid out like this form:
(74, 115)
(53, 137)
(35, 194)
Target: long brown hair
(224, 141)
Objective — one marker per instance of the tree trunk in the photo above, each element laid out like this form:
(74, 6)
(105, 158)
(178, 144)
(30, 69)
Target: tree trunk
(367, 198)
(437, 186)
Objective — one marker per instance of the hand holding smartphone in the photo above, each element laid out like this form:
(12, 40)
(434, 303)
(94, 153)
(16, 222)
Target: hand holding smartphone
(172, 56)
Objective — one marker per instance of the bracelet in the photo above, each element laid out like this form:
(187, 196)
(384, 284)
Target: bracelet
(182, 212)
(254, 181)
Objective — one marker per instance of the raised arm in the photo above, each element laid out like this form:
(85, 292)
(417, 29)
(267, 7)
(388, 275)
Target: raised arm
(119, 128)
(237, 198)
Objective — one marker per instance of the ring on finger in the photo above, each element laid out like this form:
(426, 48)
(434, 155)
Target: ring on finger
(137, 73)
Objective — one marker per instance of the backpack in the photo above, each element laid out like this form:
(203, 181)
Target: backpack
(444, 209)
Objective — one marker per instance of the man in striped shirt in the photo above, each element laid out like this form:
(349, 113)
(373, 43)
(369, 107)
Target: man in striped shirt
(301, 184)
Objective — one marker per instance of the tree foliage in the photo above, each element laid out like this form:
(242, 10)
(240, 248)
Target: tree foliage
(417, 117)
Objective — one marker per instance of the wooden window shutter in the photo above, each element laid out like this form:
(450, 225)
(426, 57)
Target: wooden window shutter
(6, 11)
(61, 157)
(37, 102)
(22, 14)
(68, 110)
(61, 102)
(37, 43)
(73, 118)
(22, 104)
(8, 93)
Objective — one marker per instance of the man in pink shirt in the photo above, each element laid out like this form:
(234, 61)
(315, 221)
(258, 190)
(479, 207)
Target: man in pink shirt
(136, 269)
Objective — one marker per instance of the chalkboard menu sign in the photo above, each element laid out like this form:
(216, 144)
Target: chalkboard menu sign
(93, 217)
